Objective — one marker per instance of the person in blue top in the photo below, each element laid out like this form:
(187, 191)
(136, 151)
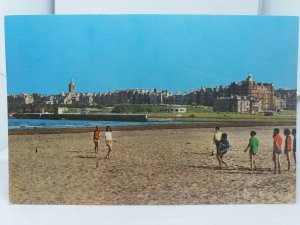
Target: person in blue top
(222, 150)
(294, 144)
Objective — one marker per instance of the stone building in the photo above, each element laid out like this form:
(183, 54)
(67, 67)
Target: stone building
(290, 96)
(237, 104)
(279, 104)
(263, 91)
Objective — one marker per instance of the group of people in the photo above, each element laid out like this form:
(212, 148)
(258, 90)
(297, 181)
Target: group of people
(222, 146)
(108, 139)
(289, 146)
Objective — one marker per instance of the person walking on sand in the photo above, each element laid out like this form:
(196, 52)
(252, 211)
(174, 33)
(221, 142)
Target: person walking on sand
(222, 150)
(108, 140)
(294, 145)
(253, 145)
(287, 146)
(277, 150)
(216, 139)
(96, 138)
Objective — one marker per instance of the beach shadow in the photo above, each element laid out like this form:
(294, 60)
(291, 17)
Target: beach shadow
(206, 167)
(197, 153)
(247, 170)
(231, 170)
(86, 157)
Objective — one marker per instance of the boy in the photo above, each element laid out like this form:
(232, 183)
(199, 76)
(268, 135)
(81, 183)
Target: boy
(253, 145)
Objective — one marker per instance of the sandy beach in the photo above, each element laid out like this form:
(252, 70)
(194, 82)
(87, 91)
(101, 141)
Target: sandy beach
(161, 166)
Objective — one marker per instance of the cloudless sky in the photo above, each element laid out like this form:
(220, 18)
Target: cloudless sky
(111, 52)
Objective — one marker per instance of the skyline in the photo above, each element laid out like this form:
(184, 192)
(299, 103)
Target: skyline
(150, 88)
(183, 52)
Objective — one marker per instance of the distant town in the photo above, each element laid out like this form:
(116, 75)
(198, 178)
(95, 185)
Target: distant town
(247, 96)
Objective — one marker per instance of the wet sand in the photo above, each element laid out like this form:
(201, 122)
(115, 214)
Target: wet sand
(156, 166)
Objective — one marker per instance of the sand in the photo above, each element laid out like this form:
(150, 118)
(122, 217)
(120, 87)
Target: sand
(163, 166)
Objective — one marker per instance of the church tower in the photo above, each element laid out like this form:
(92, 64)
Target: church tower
(72, 88)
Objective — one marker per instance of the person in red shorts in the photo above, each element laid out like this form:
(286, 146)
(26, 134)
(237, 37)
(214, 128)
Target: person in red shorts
(96, 138)
(288, 146)
(277, 149)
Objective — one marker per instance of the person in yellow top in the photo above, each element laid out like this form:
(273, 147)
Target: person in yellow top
(216, 139)
(108, 140)
(96, 138)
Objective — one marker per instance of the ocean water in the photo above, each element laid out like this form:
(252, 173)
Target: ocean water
(25, 124)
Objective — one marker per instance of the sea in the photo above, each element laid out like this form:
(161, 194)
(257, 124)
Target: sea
(26, 124)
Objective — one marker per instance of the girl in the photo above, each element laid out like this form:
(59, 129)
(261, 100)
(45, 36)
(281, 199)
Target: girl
(108, 140)
(277, 149)
(288, 146)
(222, 150)
(96, 137)
(253, 145)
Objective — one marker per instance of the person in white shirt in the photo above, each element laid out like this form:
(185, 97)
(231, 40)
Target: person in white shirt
(108, 140)
(216, 139)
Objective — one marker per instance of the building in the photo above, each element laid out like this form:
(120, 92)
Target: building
(250, 88)
(279, 104)
(290, 96)
(239, 104)
(173, 109)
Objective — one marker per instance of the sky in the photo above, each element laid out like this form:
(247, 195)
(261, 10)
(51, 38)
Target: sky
(168, 52)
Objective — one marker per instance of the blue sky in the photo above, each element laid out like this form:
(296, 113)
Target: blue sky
(111, 52)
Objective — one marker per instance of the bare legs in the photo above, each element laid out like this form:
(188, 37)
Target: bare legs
(288, 160)
(221, 161)
(294, 154)
(277, 162)
(96, 146)
(109, 150)
(253, 165)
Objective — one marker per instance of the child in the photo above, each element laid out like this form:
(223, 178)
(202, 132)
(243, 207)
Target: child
(96, 137)
(294, 144)
(253, 145)
(108, 140)
(216, 139)
(288, 146)
(222, 150)
(277, 149)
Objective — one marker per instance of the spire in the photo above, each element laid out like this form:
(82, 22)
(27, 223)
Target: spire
(72, 86)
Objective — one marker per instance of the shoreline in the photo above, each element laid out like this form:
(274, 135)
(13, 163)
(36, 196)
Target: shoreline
(152, 127)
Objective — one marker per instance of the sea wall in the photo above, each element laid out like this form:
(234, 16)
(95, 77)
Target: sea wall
(102, 117)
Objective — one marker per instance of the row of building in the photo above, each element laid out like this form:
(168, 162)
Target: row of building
(247, 96)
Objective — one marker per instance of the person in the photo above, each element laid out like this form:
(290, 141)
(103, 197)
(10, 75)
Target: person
(96, 138)
(288, 146)
(294, 144)
(277, 149)
(108, 140)
(253, 146)
(222, 150)
(216, 139)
